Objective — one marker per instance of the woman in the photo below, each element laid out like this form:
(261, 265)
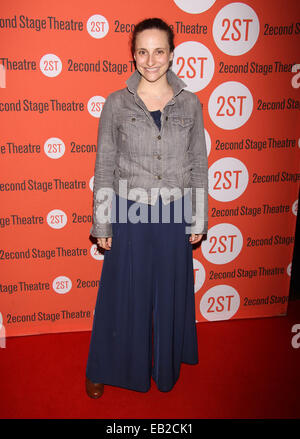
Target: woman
(151, 149)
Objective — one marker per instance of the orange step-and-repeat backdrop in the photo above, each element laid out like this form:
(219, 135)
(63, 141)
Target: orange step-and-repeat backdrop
(59, 61)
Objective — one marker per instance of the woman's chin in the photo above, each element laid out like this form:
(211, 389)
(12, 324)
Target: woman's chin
(152, 76)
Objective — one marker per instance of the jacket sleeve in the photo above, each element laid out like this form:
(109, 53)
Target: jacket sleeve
(199, 174)
(104, 173)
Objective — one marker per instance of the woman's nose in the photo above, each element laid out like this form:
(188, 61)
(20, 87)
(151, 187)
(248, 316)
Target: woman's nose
(150, 60)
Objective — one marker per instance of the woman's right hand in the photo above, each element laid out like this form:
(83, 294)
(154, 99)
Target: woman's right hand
(105, 242)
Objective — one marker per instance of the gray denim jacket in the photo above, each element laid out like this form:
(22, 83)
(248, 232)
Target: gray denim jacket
(138, 162)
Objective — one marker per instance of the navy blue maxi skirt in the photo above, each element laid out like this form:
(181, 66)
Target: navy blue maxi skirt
(144, 322)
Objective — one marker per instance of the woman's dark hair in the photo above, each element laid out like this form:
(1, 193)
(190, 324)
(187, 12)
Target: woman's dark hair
(152, 23)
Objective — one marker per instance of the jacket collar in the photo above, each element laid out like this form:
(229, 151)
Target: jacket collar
(176, 83)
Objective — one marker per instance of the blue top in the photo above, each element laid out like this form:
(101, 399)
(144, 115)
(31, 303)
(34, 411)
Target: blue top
(156, 117)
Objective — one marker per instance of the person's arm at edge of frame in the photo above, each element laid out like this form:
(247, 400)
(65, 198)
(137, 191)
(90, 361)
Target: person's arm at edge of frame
(103, 176)
(199, 177)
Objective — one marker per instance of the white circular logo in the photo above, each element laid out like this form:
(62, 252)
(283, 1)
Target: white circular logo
(54, 148)
(194, 64)
(95, 105)
(227, 179)
(236, 29)
(95, 253)
(207, 142)
(219, 303)
(57, 219)
(295, 208)
(1, 320)
(289, 269)
(223, 244)
(194, 6)
(50, 65)
(91, 183)
(230, 105)
(62, 284)
(199, 275)
(97, 26)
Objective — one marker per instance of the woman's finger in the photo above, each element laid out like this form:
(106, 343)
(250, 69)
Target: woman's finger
(105, 243)
(194, 238)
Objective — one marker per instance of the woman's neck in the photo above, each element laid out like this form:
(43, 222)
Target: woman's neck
(156, 89)
(155, 95)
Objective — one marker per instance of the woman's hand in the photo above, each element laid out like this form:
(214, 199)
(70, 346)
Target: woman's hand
(105, 242)
(194, 238)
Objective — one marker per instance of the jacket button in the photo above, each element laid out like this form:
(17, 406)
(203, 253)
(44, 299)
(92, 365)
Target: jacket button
(159, 177)
(159, 157)
(159, 137)
(133, 119)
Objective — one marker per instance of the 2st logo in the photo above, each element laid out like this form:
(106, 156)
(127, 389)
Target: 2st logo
(54, 148)
(230, 105)
(228, 178)
(236, 29)
(223, 244)
(97, 26)
(62, 284)
(194, 64)
(50, 65)
(57, 219)
(95, 106)
(220, 303)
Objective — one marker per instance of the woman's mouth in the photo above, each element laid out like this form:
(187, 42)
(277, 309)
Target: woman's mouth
(152, 69)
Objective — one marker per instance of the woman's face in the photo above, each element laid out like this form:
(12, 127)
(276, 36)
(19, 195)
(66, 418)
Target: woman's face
(152, 54)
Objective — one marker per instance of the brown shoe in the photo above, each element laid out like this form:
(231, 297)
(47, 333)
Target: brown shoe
(94, 390)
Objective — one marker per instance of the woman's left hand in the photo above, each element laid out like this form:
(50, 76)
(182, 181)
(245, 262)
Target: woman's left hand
(194, 238)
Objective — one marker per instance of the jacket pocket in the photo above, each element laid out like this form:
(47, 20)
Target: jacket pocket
(132, 128)
(182, 121)
(179, 129)
(130, 121)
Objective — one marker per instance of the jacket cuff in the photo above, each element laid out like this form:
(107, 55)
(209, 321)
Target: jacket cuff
(199, 229)
(101, 231)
